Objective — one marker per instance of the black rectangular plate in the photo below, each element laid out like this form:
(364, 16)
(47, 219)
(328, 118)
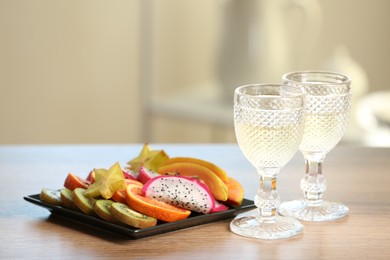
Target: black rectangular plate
(162, 227)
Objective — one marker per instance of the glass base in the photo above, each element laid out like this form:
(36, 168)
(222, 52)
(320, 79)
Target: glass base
(260, 228)
(326, 211)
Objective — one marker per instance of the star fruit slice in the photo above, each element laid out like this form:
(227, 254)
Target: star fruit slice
(107, 182)
(148, 158)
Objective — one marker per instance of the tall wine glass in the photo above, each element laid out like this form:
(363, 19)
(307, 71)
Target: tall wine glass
(268, 122)
(328, 102)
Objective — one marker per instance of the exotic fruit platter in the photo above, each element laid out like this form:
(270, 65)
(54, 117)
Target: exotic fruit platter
(152, 194)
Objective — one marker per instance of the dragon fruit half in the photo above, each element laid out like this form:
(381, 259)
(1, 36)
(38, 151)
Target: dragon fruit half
(185, 192)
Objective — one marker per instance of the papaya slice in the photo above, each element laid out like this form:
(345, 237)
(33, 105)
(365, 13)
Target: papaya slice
(221, 173)
(235, 192)
(217, 187)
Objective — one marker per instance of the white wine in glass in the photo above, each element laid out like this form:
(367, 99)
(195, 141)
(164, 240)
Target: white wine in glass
(328, 102)
(268, 122)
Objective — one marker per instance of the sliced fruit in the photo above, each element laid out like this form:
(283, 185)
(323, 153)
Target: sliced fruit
(107, 182)
(145, 175)
(138, 161)
(67, 199)
(184, 192)
(130, 217)
(217, 187)
(221, 173)
(91, 177)
(73, 181)
(120, 195)
(84, 203)
(130, 174)
(151, 159)
(102, 209)
(128, 181)
(152, 207)
(219, 207)
(235, 192)
(51, 196)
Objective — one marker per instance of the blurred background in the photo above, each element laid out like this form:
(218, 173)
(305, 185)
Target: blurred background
(164, 71)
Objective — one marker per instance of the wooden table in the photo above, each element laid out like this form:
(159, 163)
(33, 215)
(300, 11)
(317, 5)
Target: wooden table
(357, 176)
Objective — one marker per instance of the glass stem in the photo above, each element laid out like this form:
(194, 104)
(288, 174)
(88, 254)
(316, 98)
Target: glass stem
(267, 199)
(313, 184)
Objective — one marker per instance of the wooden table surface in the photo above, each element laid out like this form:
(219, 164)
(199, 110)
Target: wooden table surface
(357, 176)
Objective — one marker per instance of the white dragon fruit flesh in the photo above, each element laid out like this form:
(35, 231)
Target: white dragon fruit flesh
(129, 174)
(184, 192)
(144, 175)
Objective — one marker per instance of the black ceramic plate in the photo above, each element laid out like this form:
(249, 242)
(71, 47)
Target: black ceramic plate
(162, 227)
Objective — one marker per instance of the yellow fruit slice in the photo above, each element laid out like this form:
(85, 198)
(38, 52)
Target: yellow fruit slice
(107, 182)
(217, 187)
(151, 159)
(211, 166)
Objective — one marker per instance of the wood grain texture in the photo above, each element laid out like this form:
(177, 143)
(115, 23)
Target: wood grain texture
(357, 176)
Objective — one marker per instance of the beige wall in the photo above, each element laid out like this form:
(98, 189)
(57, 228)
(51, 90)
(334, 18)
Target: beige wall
(69, 69)
(363, 27)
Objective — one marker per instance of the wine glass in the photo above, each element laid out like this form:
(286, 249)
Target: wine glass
(328, 102)
(268, 122)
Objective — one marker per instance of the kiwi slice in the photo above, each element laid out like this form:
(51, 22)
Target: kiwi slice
(67, 199)
(102, 209)
(130, 217)
(51, 196)
(84, 203)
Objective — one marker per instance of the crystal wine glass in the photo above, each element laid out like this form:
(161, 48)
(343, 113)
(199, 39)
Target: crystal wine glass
(268, 122)
(328, 102)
